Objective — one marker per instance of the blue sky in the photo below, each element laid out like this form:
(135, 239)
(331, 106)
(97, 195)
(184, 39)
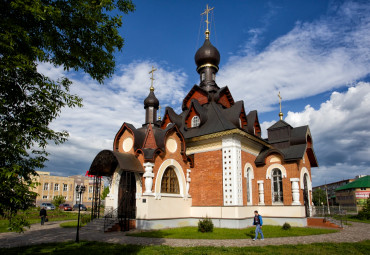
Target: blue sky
(317, 53)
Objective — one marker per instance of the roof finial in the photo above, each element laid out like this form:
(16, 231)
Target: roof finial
(280, 113)
(206, 11)
(152, 78)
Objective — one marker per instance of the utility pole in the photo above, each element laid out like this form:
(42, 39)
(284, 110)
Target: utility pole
(327, 199)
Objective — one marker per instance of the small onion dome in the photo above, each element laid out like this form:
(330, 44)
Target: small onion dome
(151, 100)
(207, 55)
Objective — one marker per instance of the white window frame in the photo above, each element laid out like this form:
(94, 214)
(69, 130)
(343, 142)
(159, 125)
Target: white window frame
(56, 187)
(195, 121)
(46, 186)
(279, 182)
(65, 187)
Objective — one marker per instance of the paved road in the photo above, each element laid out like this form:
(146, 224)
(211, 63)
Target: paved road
(51, 232)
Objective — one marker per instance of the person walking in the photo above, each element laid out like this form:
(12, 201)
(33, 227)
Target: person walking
(258, 223)
(43, 215)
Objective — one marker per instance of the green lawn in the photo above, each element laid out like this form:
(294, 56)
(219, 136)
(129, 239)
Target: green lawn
(71, 224)
(350, 218)
(32, 216)
(225, 233)
(71, 248)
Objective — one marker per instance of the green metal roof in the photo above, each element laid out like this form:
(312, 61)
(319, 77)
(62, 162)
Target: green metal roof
(363, 182)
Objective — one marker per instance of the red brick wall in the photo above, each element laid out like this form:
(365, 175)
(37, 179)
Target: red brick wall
(206, 179)
(224, 101)
(202, 99)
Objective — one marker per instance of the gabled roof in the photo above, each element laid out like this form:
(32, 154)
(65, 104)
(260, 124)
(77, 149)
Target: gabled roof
(174, 117)
(224, 91)
(233, 113)
(252, 117)
(279, 124)
(363, 182)
(216, 122)
(190, 94)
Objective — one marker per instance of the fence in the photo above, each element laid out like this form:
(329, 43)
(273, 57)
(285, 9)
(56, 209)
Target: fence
(337, 214)
(322, 211)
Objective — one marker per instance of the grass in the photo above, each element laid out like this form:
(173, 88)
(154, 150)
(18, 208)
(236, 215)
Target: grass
(109, 248)
(32, 216)
(225, 233)
(71, 224)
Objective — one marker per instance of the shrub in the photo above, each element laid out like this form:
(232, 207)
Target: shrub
(86, 218)
(57, 200)
(18, 223)
(205, 225)
(286, 226)
(364, 214)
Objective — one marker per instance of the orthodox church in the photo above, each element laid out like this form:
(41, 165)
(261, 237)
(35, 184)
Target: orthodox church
(209, 160)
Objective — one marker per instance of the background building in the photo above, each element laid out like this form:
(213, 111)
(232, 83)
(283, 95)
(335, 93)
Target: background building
(51, 186)
(330, 188)
(354, 193)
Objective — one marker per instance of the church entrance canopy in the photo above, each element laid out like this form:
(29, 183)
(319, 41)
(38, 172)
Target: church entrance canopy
(107, 161)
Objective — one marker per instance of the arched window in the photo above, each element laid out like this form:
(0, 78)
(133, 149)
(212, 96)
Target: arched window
(195, 121)
(277, 186)
(214, 76)
(249, 186)
(169, 123)
(170, 183)
(203, 76)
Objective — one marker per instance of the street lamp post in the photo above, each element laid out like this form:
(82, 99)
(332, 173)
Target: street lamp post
(79, 189)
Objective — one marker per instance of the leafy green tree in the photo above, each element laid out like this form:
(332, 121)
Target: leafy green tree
(105, 193)
(79, 35)
(319, 196)
(57, 200)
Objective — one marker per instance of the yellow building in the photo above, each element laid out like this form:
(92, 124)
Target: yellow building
(354, 193)
(51, 186)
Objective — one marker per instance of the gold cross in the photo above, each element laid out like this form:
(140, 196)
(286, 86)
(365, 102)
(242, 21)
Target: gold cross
(280, 113)
(206, 12)
(152, 78)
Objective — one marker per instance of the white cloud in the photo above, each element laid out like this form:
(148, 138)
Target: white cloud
(340, 132)
(312, 58)
(106, 106)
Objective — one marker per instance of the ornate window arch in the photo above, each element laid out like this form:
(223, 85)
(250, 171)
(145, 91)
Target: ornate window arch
(303, 172)
(170, 163)
(170, 182)
(195, 121)
(273, 166)
(249, 175)
(277, 186)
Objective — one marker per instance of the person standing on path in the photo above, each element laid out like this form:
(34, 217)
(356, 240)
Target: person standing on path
(258, 223)
(43, 215)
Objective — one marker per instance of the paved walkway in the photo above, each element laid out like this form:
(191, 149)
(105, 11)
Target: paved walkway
(51, 232)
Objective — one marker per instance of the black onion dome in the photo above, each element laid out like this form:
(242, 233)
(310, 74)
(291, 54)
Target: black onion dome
(151, 100)
(207, 54)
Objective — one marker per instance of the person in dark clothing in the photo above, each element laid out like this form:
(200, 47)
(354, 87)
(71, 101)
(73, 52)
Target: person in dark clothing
(257, 221)
(43, 215)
